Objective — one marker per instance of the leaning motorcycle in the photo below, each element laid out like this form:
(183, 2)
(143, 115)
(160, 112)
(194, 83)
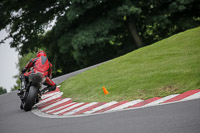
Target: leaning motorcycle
(30, 88)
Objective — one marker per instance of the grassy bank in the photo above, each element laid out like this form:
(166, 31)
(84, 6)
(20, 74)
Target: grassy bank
(163, 68)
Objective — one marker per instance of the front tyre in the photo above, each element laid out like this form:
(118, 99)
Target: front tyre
(31, 98)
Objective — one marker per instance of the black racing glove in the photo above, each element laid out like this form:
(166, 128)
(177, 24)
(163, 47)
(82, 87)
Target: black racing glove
(23, 70)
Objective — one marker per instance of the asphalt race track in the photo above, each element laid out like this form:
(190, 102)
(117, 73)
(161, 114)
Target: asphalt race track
(179, 117)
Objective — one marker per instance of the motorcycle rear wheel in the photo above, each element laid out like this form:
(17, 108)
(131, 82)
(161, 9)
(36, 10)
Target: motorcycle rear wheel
(31, 98)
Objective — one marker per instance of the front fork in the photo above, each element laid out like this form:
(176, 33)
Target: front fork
(23, 88)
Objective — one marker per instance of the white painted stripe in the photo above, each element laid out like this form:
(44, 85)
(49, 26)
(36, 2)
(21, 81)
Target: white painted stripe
(162, 100)
(71, 107)
(50, 98)
(125, 105)
(60, 107)
(57, 103)
(49, 95)
(81, 108)
(194, 96)
(101, 107)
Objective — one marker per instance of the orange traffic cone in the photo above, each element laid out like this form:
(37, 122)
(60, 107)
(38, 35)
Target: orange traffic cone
(105, 91)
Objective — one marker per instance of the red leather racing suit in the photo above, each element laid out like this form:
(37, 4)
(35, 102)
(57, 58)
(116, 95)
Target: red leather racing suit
(40, 64)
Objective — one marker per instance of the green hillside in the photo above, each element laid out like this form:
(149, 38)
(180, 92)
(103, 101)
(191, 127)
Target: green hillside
(167, 67)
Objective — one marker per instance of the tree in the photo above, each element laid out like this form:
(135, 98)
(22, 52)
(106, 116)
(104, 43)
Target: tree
(2, 90)
(92, 31)
(25, 20)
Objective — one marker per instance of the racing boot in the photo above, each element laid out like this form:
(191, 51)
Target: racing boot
(48, 89)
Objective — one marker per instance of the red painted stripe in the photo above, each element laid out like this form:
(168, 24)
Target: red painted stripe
(112, 106)
(57, 98)
(59, 105)
(57, 90)
(49, 102)
(48, 97)
(72, 109)
(182, 96)
(89, 108)
(61, 108)
(145, 102)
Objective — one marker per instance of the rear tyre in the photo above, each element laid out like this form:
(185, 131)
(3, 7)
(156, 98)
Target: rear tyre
(31, 98)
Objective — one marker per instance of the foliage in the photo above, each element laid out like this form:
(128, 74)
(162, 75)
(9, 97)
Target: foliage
(25, 59)
(89, 32)
(2, 90)
(25, 20)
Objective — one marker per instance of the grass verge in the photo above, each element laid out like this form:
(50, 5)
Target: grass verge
(167, 67)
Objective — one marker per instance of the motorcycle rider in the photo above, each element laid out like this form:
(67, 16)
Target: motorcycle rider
(40, 64)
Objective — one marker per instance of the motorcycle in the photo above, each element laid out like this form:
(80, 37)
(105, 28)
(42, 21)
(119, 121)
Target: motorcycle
(30, 90)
